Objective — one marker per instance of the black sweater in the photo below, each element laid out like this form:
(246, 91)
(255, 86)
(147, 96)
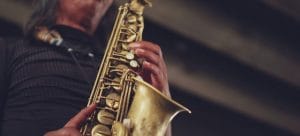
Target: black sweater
(41, 86)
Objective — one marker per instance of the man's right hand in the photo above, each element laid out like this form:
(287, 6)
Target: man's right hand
(72, 127)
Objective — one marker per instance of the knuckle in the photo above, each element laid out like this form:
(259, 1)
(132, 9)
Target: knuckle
(151, 66)
(157, 71)
(161, 54)
(154, 68)
(157, 47)
(155, 58)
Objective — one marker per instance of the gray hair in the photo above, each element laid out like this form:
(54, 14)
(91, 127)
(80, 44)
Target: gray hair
(44, 14)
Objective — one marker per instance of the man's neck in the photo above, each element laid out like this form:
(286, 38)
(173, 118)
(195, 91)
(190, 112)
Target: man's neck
(67, 22)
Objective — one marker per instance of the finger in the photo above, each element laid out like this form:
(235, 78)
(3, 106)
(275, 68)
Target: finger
(64, 132)
(81, 116)
(157, 76)
(146, 46)
(149, 56)
(161, 86)
(152, 57)
(159, 70)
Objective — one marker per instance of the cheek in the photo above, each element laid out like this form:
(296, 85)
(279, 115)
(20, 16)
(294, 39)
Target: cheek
(108, 3)
(83, 10)
(103, 6)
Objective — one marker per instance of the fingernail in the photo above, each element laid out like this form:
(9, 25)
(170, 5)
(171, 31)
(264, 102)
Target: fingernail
(133, 45)
(146, 63)
(137, 51)
(90, 106)
(93, 104)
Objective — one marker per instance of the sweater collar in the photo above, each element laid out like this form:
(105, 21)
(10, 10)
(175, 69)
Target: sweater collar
(75, 35)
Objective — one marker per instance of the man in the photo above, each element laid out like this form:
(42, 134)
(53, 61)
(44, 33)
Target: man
(44, 85)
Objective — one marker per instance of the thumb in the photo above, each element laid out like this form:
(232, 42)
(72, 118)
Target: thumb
(81, 116)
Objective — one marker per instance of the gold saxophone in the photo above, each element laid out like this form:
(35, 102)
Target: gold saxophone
(126, 105)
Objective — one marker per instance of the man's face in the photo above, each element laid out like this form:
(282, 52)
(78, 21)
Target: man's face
(85, 12)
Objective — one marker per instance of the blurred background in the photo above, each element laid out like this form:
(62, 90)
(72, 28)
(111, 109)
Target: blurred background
(234, 63)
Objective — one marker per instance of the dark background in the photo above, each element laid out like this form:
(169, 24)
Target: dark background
(239, 74)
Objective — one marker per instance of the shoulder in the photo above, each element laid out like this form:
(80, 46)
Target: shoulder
(8, 47)
(9, 43)
(12, 45)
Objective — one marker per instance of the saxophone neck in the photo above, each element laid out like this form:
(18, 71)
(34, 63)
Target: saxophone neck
(138, 6)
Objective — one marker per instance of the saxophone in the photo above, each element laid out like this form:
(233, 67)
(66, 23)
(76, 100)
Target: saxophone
(126, 105)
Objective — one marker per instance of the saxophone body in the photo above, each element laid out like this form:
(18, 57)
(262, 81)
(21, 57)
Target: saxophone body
(126, 105)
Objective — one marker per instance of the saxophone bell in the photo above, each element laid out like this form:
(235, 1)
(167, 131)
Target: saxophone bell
(151, 112)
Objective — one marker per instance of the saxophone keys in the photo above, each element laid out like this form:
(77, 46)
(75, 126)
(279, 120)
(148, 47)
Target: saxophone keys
(112, 101)
(116, 80)
(133, 63)
(131, 19)
(118, 129)
(126, 54)
(117, 88)
(127, 123)
(124, 46)
(122, 67)
(105, 117)
(129, 56)
(101, 130)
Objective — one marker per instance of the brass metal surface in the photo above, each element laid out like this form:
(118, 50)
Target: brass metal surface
(105, 117)
(151, 111)
(126, 105)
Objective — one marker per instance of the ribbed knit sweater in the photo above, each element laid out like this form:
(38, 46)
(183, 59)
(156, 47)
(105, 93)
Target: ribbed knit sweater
(41, 86)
